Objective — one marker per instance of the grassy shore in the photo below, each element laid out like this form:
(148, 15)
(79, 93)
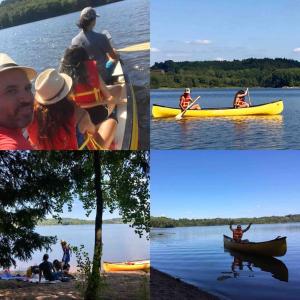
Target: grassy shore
(118, 285)
(166, 287)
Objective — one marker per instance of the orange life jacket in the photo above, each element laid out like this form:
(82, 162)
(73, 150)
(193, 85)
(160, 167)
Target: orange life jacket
(85, 94)
(240, 102)
(237, 234)
(185, 100)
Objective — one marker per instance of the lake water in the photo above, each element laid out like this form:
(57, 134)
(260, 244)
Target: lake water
(196, 255)
(252, 132)
(119, 240)
(41, 45)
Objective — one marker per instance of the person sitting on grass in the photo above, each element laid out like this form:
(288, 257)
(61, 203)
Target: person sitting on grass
(237, 233)
(239, 99)
(47, 269)
(186, 99)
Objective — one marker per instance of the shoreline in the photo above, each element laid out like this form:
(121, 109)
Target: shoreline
(227, 87)
(116, 285)
(166, 287)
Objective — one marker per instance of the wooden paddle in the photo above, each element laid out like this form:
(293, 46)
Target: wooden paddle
(179, 116)
(137, 47)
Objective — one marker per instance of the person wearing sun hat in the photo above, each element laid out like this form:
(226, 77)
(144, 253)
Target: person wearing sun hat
(186, 99)
(96, 44)
(16, 103)
(56, 117)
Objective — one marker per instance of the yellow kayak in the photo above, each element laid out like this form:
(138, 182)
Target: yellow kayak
(272, 108)
(140, 265)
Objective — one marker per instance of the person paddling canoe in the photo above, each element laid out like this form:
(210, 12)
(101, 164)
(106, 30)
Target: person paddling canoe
(239, 99)
(96, 44)
(186, 99)
(237, 233)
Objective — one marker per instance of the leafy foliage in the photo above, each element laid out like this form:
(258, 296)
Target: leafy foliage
(163, 222)
(17, 12)
(27, 195)
(250, 72)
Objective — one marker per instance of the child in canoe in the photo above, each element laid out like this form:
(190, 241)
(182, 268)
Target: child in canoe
(239, 99)
(56, 118)
(91, 93)
(186, 99)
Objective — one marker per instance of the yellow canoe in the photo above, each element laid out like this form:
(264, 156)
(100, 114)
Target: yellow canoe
(276, 247)
(140, 265)
(272, 108)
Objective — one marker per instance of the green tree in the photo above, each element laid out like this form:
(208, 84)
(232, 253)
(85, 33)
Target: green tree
(47, 181)
(30, 187)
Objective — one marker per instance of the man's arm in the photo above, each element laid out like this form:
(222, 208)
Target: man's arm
(40, 275)
(247, 228)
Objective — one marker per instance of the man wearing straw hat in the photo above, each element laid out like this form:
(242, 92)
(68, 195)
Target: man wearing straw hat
(96, 44)
(16, 103)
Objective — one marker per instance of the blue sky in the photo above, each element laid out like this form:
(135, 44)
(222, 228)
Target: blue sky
(224, 30)
(79, 213)
(210, 184)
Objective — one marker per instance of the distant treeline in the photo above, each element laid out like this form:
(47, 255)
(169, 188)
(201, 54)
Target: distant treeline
(278, 72)
(72, 221)
(163, 222)
(17, 12)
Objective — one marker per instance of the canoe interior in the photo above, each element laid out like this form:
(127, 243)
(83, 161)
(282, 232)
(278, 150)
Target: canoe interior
(127, 129)
(276, 247)
(220, 108)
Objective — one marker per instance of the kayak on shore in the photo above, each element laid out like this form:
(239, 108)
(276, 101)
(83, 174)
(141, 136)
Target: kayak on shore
(139, 265)
(272, 108)
(276, 247)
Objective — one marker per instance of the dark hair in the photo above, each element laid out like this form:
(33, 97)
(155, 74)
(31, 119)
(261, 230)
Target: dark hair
(66, 267)
(72, 64)
(57, 264)
(240, 92)
(51, 118)
(45, 257)
(84, 24)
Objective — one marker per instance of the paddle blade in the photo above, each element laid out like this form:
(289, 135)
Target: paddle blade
(138, 47)
(178, 117)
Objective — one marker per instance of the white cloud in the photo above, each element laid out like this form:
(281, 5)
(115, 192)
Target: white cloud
(199, 42)
(219, 58)
(152, 49)
(297, 50)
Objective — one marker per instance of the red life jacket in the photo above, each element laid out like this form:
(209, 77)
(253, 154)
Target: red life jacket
(85, 94)
(240, 102)
(237, 234)
(185, 100)
(62, 140)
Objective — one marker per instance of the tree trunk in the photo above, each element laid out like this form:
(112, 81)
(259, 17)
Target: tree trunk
(94, 280)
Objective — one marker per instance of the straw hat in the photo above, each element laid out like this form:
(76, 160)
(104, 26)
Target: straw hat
(52, 86)
(6, 63)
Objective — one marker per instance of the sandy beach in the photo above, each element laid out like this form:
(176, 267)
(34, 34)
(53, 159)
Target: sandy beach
(166, 287)
(117, 285)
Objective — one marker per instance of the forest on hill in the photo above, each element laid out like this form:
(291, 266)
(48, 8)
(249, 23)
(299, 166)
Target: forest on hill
(163, 222)
(252, 72)
(17, 12)
(74, 221)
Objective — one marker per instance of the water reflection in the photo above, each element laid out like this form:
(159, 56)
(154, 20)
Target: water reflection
(244, 264)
